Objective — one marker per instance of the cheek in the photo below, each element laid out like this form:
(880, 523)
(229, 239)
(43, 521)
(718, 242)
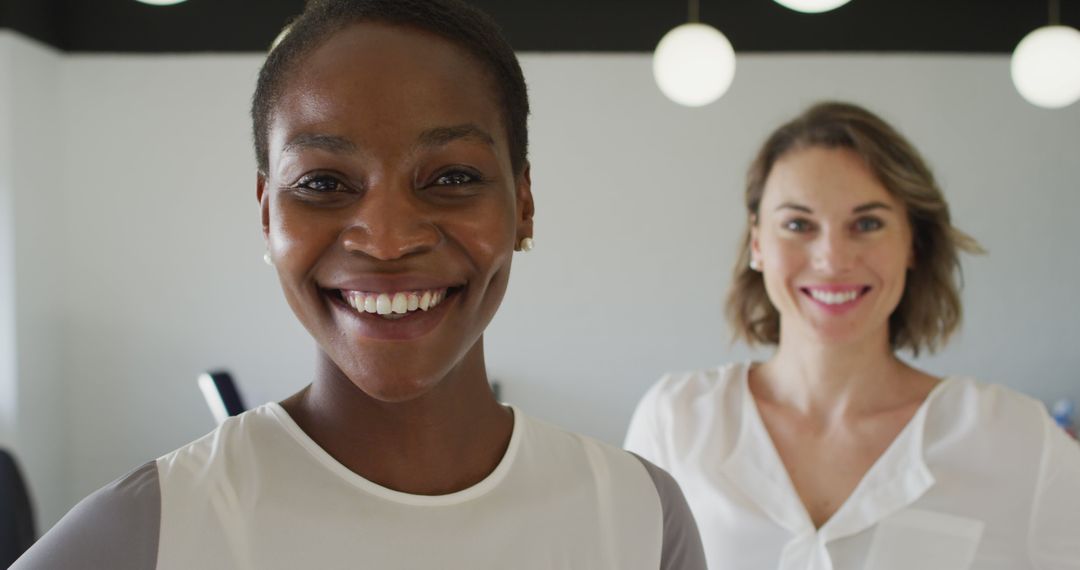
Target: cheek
(486, 234)
(782, 258)
(297, 237)
(890, 261)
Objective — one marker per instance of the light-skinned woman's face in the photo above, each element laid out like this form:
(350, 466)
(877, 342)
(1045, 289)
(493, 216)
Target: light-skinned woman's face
(833, 244)
(390, 208)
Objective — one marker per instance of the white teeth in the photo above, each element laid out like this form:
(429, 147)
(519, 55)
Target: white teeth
(383, 305)
(831, 298)
(400, 304)
(394, 305)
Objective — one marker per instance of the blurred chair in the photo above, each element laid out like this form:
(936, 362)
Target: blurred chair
(16, 514)
(221, 394)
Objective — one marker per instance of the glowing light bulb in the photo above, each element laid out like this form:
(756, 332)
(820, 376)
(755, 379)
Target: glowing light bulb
(1046, 67)
(812, 6)
(694, 64)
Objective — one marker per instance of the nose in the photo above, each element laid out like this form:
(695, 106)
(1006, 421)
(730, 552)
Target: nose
(390, 223)
(834, 253)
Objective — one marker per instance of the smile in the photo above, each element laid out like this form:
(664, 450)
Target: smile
(835, 296)
(394, 305)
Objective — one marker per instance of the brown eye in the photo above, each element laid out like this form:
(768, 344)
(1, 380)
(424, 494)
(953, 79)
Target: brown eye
(320, 183)
(455, 178)
(798, 225)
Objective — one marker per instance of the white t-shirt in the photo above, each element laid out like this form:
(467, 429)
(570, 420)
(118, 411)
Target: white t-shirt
(980, 478)
(258, 493)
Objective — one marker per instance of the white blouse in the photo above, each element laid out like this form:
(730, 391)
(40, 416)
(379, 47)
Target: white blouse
(258, 493)
(980, 478)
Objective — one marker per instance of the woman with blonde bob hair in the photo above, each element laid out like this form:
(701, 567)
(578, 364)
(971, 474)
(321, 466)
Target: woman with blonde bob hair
(835, 453)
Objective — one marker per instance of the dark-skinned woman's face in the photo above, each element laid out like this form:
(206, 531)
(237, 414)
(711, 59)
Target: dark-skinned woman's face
(390, 207)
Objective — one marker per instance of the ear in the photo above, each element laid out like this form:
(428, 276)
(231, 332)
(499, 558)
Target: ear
(525, 205)
(755, 247)
(264, 203)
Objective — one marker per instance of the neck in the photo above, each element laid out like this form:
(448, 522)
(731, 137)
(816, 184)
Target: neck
(439, 442)
(831, 380)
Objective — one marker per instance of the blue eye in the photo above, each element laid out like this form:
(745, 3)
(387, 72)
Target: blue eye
(868, 224)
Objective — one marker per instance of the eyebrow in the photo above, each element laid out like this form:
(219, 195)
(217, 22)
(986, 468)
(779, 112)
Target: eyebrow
(794, 206)
(441, 136)
(871, 206)
(857, 210)
(330, 143)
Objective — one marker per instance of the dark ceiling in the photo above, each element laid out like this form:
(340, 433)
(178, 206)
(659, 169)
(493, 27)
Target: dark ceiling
(967, 26)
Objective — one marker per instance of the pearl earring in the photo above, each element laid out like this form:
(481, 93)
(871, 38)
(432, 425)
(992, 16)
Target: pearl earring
(266, 258)
(755, 265)
(526, 244)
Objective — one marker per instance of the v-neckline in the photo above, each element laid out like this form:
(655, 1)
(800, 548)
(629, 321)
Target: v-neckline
(901, 465)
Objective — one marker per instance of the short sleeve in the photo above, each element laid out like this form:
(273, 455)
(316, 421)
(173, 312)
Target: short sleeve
(682, 548)
(1055, 525)
(643, 437)
(116, 528)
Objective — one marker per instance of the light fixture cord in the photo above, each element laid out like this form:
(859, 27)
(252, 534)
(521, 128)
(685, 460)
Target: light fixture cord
(694, 10)
(1055, 12)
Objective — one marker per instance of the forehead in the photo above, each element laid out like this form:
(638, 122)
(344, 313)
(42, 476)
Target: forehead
(824, 179)
(378, 81)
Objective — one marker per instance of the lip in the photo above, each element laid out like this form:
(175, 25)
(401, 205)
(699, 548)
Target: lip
(412, 326)
(391, 283)
(839, 308)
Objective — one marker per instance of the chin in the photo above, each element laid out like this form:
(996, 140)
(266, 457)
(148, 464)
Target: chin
(837, 334)
(391, 390)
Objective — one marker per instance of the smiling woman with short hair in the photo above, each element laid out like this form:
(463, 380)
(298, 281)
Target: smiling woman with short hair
(394, 189)
(835, 454)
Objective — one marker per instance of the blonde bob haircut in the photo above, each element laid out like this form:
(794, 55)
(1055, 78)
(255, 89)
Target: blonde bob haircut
(929, 310)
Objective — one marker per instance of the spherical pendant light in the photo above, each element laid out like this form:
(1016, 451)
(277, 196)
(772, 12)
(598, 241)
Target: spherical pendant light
(1046, 67)
(812, 6)
(694, 64)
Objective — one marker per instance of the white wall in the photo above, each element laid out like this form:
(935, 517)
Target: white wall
(36, 241)
(638, 213)
(162, 202)
(7, 253)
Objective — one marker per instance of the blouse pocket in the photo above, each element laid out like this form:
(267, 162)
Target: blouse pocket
(914, 538)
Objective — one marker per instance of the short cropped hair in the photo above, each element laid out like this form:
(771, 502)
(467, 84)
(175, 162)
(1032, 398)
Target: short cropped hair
(453, 20)
(929, 310)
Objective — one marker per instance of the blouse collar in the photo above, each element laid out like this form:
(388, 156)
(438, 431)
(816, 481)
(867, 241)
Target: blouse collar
(897, 479)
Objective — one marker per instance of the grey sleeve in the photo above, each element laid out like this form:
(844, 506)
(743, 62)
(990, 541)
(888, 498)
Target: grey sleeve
(115, 528)
(682, 542)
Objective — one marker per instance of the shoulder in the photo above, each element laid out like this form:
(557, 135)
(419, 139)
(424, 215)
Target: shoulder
(987, 424)
(116, 527)
(684, 409)
(682, 548)
(237, 438)
(578, 457)
(967, 404)
(634, 486)
(689, 397)
(681, 389)
(557, 443)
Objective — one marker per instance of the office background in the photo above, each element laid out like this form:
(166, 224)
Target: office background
(130, 246)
